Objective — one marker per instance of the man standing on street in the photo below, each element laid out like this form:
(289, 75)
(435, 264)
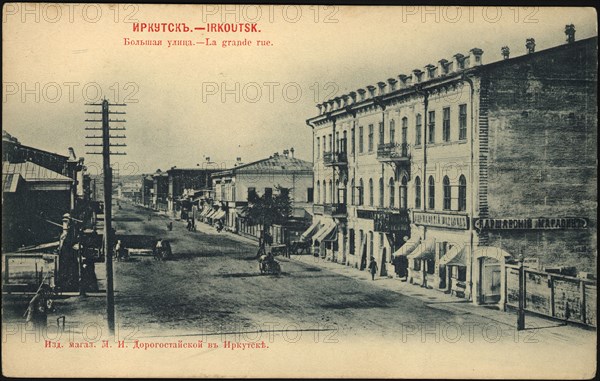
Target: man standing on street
(373, 268)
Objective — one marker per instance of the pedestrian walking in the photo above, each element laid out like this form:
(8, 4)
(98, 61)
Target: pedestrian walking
(373, 268)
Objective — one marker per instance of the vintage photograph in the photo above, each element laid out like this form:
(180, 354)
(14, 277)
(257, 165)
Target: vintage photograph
(299, 191)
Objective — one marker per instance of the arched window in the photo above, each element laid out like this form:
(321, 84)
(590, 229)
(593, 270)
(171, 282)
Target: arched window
(318, 192)
(361, 192)
(447, 193)
(417, 192)
(336, 194)
(392, 131)
(324, 192)
(330, 195)
(352, 193)
(381, 190)
(462, 193)
(431, 192)
(392, 193)
(371, 196)
(404, 193)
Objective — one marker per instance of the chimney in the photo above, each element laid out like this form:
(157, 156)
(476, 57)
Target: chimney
(361, 93)
(381, 86)
(403, 80)
(505, 52)
(418, 75)
(430, 71)
(476, 54)
(72, 154)
(371, 89)
(445, 65)
(459, 59)
(530, 45)
(338, 102)
(286, 152)
(292, 152)
(392, 83)
(353, 96)
(570, 32)
(345, 100)
(320, 107)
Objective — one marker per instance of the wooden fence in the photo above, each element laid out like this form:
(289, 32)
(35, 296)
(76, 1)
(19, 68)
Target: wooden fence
(558, 296)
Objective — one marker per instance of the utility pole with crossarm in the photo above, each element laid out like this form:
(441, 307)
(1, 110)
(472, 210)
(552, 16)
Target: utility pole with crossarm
(107, 172)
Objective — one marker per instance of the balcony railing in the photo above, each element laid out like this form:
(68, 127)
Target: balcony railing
(318, 209)
(335, 159)
(397, 152)
(333, 210)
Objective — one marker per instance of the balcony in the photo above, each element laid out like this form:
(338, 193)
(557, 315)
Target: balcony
(393, 152)
(335, 210)
(335, 159)
(332, 210)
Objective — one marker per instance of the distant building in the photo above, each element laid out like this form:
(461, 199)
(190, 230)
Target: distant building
(160, 190)
(146, 190)
(186, 180)
(233, 186)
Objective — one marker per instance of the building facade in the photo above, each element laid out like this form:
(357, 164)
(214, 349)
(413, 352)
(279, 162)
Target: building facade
(182, 179)
(423, 167)
(233, 186)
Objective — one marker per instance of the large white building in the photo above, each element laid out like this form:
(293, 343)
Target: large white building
(416, 166)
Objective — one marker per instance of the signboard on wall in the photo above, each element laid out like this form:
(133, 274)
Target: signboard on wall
(391, 222)
(542, 223)
(442, 220)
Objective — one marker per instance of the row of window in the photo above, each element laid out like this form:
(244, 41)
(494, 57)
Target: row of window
(325, 193)
(328, 145)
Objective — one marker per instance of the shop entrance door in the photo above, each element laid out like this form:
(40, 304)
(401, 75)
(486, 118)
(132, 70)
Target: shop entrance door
(490, 280)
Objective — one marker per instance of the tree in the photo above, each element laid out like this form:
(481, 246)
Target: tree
(268, 210)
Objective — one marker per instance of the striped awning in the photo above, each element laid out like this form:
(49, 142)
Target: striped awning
(425, 250)
(310, 231)
(218, 215)
(408, 246)
(456, 256)
(324, 232)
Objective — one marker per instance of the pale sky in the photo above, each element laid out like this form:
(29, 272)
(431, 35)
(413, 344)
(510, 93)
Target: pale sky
(176, 115)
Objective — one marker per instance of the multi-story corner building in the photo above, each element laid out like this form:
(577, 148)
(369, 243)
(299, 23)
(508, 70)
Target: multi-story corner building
(460, 165)
(232, 188)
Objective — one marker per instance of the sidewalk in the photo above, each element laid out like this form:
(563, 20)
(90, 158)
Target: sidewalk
(552, 329)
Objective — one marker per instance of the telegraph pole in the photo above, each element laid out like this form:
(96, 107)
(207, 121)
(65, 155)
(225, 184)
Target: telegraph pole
(107, 172)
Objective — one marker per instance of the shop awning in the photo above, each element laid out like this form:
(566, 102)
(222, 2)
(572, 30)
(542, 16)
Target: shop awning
(310, 231)
(211, 213)
(425, 250)
(207, 209)
(332, 236)
(456, 256)
(218, 215)
(241, 212)
(324, 231)
(408, 246)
